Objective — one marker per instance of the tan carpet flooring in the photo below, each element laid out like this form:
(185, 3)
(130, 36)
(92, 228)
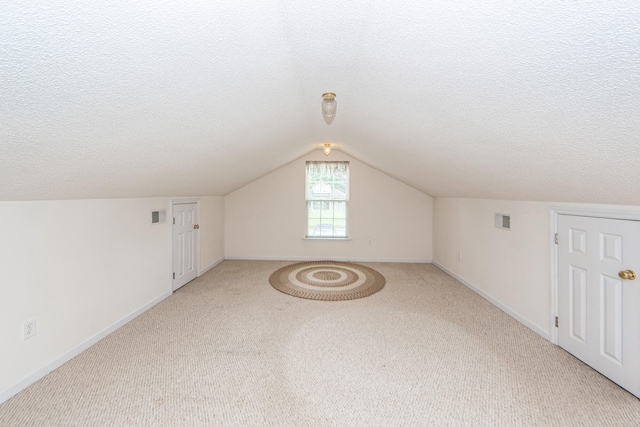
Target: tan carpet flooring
(228, 349)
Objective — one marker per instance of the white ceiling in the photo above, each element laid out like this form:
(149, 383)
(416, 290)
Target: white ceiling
(536, 100)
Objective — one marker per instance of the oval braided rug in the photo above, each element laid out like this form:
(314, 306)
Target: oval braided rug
(327, 280)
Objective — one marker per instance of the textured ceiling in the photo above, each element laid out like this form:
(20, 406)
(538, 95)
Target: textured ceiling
(535, 100)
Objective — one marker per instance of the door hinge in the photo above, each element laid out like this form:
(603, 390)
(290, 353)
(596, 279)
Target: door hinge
(556, 238)
(556, 321)
(174, 278)
(174, 221)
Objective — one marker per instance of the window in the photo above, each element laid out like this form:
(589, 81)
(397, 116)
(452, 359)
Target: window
(327, 195)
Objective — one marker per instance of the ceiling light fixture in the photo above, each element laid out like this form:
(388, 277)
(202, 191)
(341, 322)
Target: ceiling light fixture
(327, 149)
(329, 104)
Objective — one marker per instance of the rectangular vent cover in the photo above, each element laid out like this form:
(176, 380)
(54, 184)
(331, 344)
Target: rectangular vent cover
(503, 221)
(158, 216)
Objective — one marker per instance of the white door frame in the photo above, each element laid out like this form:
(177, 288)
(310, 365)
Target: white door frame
(197, 251)
(633, 215)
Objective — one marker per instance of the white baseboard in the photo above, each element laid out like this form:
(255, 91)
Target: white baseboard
(204, 270)
(497, 303)
(342, 259)
(11, 391)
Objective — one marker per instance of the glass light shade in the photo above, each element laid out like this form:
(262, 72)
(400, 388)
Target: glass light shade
(327, 149)
(329, 104)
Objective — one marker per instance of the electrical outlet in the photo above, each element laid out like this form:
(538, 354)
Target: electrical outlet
(28, 329)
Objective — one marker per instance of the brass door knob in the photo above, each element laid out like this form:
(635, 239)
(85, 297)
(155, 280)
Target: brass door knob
(196, 226)
(627, 275)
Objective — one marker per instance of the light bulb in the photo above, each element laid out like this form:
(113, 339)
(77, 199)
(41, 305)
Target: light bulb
(329, 104)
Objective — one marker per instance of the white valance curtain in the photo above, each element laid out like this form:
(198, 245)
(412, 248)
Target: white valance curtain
(328, 168)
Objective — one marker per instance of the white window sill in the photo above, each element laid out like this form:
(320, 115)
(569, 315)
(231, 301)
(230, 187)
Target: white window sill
(325, 238)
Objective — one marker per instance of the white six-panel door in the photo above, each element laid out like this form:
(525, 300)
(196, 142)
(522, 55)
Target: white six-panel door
(185, 226)
(598, 301)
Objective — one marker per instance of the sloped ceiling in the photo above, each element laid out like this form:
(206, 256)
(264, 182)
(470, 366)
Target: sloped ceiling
(536, 100)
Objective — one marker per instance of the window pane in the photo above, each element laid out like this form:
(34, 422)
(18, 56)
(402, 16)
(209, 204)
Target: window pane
(326, 210)
(340, 227)
(327, 190)
(329, 221)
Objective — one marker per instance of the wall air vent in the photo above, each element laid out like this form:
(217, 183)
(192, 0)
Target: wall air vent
(503, 221)
(158, 216)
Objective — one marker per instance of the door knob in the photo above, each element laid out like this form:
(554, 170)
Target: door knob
(196, 226)
(627, 275)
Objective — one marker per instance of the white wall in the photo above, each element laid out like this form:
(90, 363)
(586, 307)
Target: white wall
(266, 218)
(211, 231)
(82, 268)
(510, 267)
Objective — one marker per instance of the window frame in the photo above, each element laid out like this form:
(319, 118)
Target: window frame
(337, 168)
